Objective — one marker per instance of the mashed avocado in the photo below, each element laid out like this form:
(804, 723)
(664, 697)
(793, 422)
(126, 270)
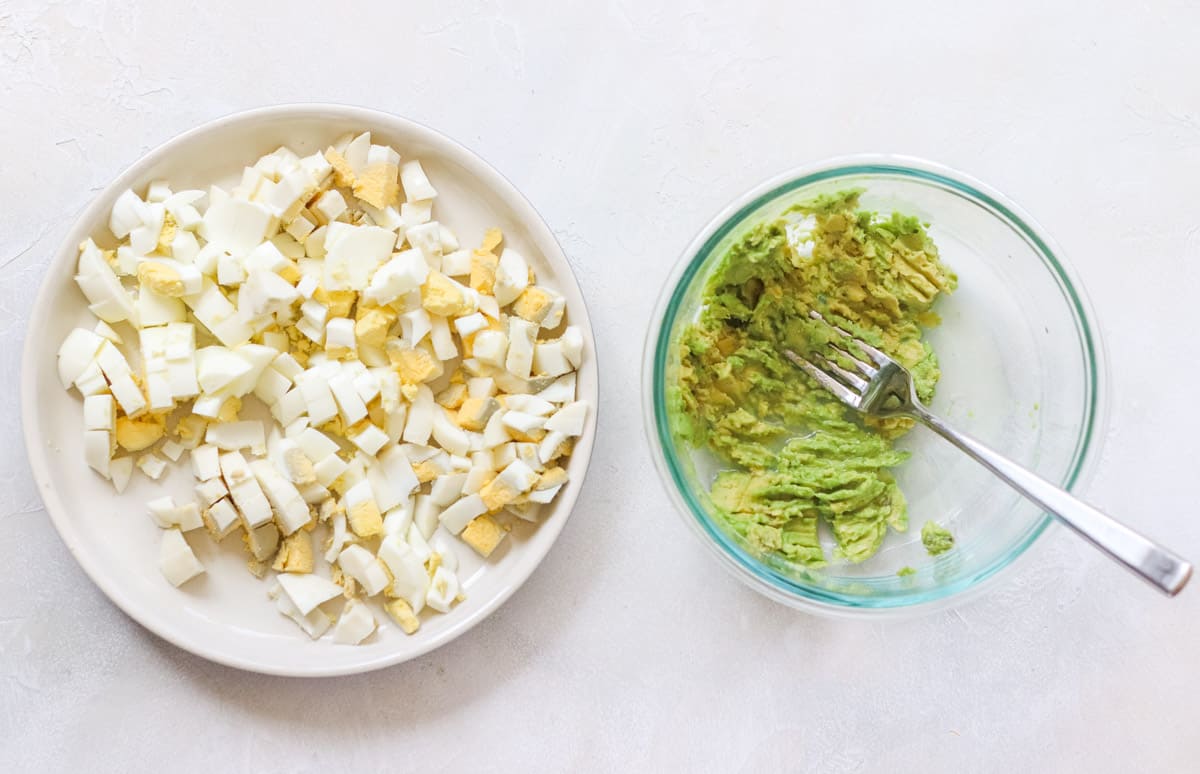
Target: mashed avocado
(937, 539)
(797, 455)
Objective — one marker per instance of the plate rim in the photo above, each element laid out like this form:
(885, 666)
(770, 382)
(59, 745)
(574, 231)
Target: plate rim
(85, 223)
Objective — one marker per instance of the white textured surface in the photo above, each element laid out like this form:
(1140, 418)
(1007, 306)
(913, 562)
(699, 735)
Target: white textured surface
(628, 127)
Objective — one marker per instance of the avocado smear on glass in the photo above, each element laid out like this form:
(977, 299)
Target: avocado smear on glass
(937, 539)
(796, 454)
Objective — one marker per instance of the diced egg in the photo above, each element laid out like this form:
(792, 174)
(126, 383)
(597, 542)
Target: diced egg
(290, 508)
(306, 592)
(120, 470)
(355, 624)
(570, 419)
(457, 516)
(360, 564)
(229, 436)
(210, 491)
(315, 623)
(415, 182)
(512, 276)
(443, 590)
(152, 465)
(409, 578)
(297, 289)
(176, 560)
(166, 514)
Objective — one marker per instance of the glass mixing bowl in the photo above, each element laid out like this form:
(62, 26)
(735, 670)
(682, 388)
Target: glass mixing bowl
(1022, 370)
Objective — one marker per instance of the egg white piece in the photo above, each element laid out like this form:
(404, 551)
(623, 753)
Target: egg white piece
(355, 624)
(176, 560)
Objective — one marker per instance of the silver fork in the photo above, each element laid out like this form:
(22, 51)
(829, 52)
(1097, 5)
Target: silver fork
(884, 388)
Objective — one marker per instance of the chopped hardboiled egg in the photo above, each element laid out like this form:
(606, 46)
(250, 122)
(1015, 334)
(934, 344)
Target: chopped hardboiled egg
(176, 560)
(358, 389)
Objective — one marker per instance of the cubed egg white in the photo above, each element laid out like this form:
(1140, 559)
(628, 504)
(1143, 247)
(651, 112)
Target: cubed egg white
(529, 404)
(175, 558)
(206, 462)
(455, 262)
(427, 240)
(231, 270)
(421, 413)
(76, 353)
(490, 347)
(120, 471)
(221, 517)
(172, 450)
(444, 548)
(570, 419)
(443, 590)
(107, 297)
(512, 276)
(355, 624)
(495, 432)
(472, 323)
(396, 520)
(97, 450)
(339, 336)
(415, 325)
(403, 273)
(415, 182)
(447, 488)
(522, 334)
(457, 516)
(317, 398)
(128, 212)
(264, 293)
(156, 309)
(236, 226)
(306, 591)
(425, 515)
(316, 445)
(549, 445)
(99, 413)
(417, 542)
(370, 439)
(449, 435)
(329, 470)
(167, 514)
(290, 508)
(338, 537)
(247, 495)
(397, 470)
(106, 331)
(388, 217)
(561, 390)
(442, 339)
(211, 491)
(414, 213)
(353, 254)
(271, 386)
(229, 436)
(572, 341)
(409, 578)
(549, 359)
(358, 563)
(314, 624)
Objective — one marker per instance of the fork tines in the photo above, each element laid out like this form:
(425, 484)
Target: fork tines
(847, 386)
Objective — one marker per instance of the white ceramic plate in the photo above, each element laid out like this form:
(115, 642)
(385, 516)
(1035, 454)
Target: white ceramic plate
(225, 615)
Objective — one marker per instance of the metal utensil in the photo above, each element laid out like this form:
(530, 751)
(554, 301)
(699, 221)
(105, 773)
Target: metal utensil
(880, 386)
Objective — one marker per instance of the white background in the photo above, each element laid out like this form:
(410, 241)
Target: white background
(628, 125)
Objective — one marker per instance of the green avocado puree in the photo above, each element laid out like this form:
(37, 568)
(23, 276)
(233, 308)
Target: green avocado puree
(937, 539)
(796, 455)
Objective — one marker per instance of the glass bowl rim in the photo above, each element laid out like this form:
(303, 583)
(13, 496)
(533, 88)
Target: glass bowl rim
(656, 422)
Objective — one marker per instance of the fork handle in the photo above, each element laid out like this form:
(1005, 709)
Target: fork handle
(1159, 567)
